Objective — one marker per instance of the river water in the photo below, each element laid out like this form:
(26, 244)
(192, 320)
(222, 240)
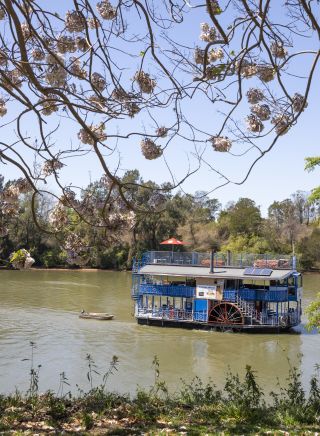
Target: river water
(43, 307)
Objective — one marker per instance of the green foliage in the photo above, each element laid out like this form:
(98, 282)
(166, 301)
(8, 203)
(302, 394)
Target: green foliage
(246, 244)
(246, 394)
(87, 421)
(57, 407)
(197, 393)
(52, 258)
(292, 224)
(314, 395)
(110, 258)
(291, 405)
(311, 163)
(197, 408)
(315, 195)
(33, 374)
(313, 312)
(244, 217)
(309, 247)
(18, 256)
(281, 211)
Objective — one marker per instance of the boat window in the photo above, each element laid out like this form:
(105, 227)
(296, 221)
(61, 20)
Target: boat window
(177, 282)
(230, 284)
(291, 281)
(256, 284)
(178, 303)
(292, 290)
(190, 281)
(299, 281)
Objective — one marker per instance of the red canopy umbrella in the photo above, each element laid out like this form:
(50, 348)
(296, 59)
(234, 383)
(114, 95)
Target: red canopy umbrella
(173, 241)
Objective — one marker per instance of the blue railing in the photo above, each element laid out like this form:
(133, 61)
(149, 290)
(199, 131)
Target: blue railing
(167, 290)
(229, 295)
(279, 295)
(167, 314)
(241, 260)
(288, 318)
(200, 315)
(138, 263)
(247, 294)
(172, 314)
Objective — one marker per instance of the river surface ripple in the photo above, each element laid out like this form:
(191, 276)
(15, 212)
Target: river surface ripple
(43, 307)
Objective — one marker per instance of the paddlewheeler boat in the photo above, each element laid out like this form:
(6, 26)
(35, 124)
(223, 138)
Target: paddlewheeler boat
(96, 315)
(217, 291)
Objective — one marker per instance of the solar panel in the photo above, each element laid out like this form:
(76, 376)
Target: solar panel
(257, 271)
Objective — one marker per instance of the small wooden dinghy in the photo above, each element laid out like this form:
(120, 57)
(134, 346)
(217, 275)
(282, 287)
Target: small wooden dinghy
(96, 315)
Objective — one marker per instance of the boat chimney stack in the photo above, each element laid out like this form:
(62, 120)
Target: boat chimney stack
(228, 258)
(294, 263)
(212, 262)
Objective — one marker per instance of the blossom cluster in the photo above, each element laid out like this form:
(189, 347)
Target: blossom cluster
(106, 10)
(56, 74)
(68, 198)
(132, 108)
(3, 109)
(76, 68)
(75, 22)
(74, 247)
(146, 84)
(254, 95)
(212, 56)
(278, 50)
(92, 134)
(214, 7)
(282, 123)
(208, 34)
(162, 132)
(254, 124)
(299, 103)
(262, 112)
(58, 217)
(98, 82)
(49, 105)
(150, 149)
(51, 166)
(220, 143)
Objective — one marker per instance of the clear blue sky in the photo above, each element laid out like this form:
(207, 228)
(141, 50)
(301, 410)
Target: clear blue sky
(275, 177)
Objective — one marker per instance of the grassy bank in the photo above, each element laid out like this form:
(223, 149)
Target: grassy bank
(197, 408)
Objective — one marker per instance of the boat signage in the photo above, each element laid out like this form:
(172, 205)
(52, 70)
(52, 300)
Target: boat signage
(208, 292)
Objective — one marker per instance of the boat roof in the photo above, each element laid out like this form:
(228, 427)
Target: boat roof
(199, 271)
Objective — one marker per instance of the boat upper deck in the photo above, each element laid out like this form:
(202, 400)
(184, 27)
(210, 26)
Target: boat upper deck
(218, 273)
(225, 265)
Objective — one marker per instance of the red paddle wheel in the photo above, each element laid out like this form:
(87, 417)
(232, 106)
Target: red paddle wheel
(226, 313)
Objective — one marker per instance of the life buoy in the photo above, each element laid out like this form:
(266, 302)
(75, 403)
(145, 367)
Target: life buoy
(283, 320)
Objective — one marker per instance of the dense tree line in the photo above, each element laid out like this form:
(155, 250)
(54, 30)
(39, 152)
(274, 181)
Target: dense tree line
(61, 237)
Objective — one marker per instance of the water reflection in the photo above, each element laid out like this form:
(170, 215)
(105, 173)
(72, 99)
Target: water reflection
(43, 306)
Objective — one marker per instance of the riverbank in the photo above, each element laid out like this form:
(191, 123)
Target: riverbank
(9, 267)
(197, 409)
(65, 269)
